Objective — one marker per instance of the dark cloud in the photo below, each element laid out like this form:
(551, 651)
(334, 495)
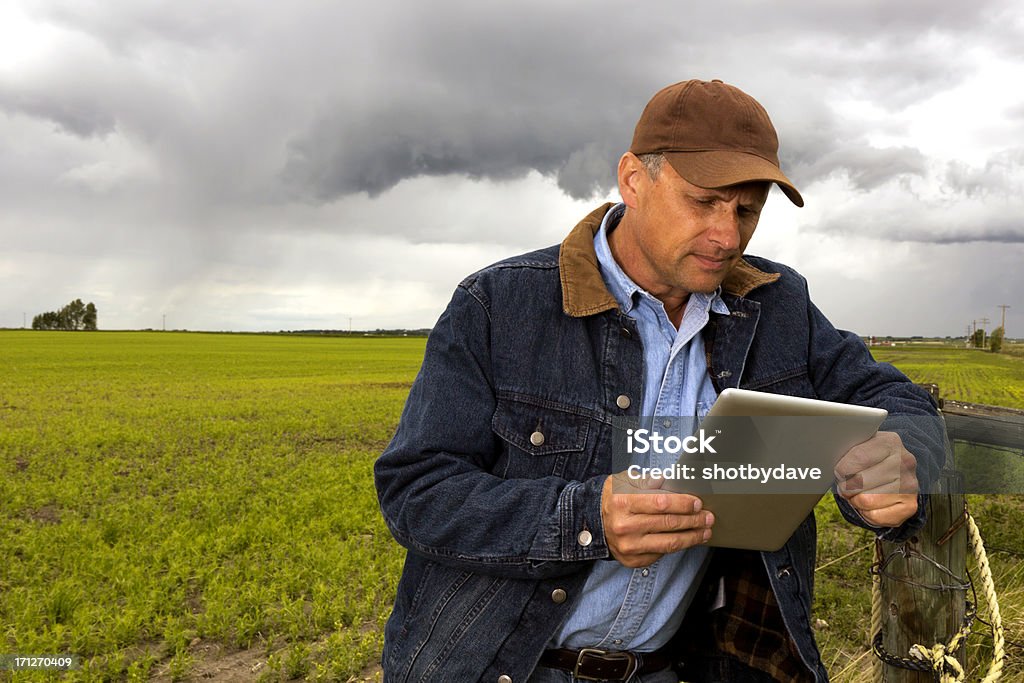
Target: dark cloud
(225, 123)
(319, 101)
(500, 93)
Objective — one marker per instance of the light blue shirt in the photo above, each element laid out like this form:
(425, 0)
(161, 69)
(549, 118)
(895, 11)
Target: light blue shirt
(640, 609)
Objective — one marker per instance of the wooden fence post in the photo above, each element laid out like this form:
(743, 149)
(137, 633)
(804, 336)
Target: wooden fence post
(914, 611)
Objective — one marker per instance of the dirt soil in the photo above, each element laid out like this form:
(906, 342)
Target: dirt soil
(215, 663)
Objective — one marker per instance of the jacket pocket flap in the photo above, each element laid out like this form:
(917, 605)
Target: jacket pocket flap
(539, 429)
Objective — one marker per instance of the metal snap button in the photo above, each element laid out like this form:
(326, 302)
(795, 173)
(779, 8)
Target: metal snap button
(626, 334)
(558, 596)
(645, 571)
(585, 538)
(622, 401)
(783, 572)
(537, 439)
(504, 679)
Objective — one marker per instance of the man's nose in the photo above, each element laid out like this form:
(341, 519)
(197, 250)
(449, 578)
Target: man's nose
(725, 227)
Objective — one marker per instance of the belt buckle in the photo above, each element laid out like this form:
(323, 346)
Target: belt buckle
(609, 656)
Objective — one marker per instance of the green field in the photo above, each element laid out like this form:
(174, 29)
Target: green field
(962, 374)
(188, 506)
(843, 596)
(167, 498)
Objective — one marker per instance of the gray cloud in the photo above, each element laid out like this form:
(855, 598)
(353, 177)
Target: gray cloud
(242, 123)
(491, 92)
(949, 220)
(996, 177)
(866, 167)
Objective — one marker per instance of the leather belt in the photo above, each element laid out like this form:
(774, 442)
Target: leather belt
(592, 664)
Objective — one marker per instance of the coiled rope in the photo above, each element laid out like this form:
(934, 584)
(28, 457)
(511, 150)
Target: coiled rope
(939, 659)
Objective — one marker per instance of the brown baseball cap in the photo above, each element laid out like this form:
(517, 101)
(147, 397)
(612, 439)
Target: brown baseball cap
(713, 134)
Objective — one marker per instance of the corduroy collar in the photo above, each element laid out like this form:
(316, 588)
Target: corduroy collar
(583, 290)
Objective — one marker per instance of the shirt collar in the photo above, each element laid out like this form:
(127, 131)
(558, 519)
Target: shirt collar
(622, 287)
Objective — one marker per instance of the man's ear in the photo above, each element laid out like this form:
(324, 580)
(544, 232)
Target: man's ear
(633, 179)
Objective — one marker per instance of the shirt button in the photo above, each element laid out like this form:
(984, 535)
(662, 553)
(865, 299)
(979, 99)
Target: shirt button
(617, 641)
(504, 679)
(645, 572)
(585, 538)
(622, 401)
(666, 423)
(537, 439)
(558, 596)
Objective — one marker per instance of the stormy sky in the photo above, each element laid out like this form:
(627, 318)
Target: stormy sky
(267, 166)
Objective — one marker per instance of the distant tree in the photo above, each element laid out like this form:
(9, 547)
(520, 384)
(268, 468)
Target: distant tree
(75, 316)
(978, 341)
(89, 319)
(996, 340)
(46, 321)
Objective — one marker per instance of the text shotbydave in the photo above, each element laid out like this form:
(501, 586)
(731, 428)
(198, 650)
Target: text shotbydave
(717, 472)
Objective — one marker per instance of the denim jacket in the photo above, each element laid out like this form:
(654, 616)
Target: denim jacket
(498, 462)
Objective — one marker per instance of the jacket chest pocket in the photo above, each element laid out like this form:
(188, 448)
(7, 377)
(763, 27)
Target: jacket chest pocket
(540, 440)
(793, 382)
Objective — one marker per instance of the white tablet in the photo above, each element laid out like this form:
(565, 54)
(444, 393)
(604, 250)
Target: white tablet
(773, 460)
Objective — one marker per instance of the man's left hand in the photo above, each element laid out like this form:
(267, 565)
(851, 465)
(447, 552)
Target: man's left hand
(879, 479)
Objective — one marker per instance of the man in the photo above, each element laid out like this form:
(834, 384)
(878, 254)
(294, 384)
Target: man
(523, 563)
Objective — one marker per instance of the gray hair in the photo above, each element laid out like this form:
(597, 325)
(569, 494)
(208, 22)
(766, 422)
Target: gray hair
(652, 163)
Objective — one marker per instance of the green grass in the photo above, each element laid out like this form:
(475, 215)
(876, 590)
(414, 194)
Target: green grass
(163, 494)
(843, 595)
(963, 374)
(163, 491)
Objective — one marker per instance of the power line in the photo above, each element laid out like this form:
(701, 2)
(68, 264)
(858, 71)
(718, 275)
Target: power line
(1004, 307)
(983, 321)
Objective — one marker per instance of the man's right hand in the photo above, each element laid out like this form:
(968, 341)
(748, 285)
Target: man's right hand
(641, 526)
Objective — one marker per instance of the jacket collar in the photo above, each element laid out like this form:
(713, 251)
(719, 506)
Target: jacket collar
(583, 289)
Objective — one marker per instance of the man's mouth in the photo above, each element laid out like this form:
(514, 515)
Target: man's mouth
(712, 262)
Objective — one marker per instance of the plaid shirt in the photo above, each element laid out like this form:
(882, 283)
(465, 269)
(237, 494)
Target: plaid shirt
(748, 626)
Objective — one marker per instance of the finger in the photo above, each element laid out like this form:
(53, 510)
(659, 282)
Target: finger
(868, 454)
(874, 502)
(659, 503)
(894, 475)
(889, 515)
(638, 525)
(907, 485)
(880, 478)
(662, 524)
(641, 551)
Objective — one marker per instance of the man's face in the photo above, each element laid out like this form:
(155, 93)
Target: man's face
(678, 238)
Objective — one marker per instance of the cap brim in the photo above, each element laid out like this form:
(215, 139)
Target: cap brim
(724, 168)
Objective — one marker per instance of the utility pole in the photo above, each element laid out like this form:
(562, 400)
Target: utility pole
(1004, 307)
(24, 319)
(165, 322)
(983, 321)
(350, 324)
